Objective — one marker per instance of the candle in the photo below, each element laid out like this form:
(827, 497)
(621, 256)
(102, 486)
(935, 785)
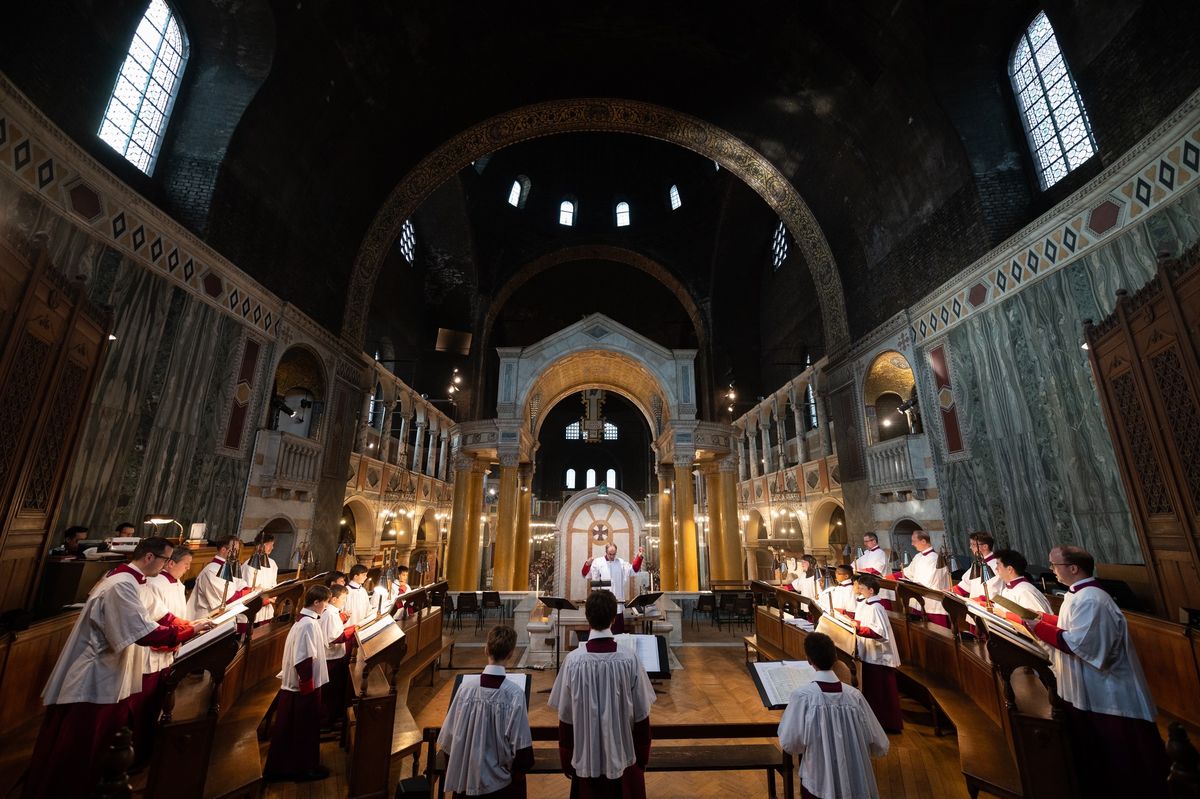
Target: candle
(537, 584)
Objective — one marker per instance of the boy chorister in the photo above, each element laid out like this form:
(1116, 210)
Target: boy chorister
(337, 658)
(832, 725)
(878, 653)
(840, 598)
(486, 734)
(358, 601)
(295, 752)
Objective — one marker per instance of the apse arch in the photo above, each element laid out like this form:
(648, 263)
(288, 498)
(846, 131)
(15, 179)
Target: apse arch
(603, 115)
(579, 371)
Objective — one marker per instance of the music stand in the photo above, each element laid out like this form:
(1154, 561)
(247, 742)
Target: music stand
(641, 602)
(558, 603)
(601, 585)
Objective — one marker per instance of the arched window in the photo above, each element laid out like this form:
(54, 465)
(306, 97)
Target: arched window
(675, 199)
(519, 192)
(623, 215)
(147, 84)
(566, 213)
(570, 478)
(573, 432)
(408, 241)
(591, 478)
(779, 246)
(1052, 111)
(610, 478)
(610, 431)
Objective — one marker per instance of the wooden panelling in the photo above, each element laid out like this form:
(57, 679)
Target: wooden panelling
(1169, 654)
(31, 655)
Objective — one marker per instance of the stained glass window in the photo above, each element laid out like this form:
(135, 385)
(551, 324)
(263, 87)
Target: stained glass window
(1052, 111)
(622, 214)
(141, 101)
(779, 246)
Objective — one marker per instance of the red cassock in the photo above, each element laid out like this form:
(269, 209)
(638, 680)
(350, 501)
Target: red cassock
(296, 740)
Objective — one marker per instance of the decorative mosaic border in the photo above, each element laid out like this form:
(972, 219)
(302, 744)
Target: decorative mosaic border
(43, 160)
(1127, 192)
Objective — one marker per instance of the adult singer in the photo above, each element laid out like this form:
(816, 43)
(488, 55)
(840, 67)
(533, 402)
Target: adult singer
(617, 572)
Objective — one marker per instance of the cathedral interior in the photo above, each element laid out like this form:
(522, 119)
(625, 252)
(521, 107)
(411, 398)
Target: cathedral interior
(481, 290)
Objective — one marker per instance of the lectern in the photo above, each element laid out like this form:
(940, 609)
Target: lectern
(382, 646)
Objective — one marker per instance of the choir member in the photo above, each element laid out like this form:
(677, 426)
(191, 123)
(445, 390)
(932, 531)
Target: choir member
(358, 601)
(840, 598)
(879, 655)
(1016, 587)
(336, 578)
(161, 594)
(606, 692)
(807, 583)
(72, 538)
(617, 572)
(486, 734)
(295, 753)
(1099, 674)
(874, 560)
(833, 727)
(263, 577)
(400, 585)
(927, 569)
(210, 591)
(337, 657)
(972, 585)
(99, 669)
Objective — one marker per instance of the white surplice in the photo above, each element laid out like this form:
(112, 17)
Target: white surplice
(332, 628)
(1102, 674)
(305, 640)
(358, 604)
(923, 569)
(837, 734)
(483, 731)
(616, 571)
(881, 651)
(875, 561)
(162, 594)
(602, 694)
(974, 585)
(807, 585)
(209, 590)
(100, 662)
(262, 580)
(1025, 594)
(839, 597)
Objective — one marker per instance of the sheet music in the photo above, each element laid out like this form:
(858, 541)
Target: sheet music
(781, 678)
(375, 627)
(230, 614)
(644, 647)
(196, 643)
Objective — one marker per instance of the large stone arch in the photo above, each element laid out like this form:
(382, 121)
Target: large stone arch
(603, 115)
(572, 550)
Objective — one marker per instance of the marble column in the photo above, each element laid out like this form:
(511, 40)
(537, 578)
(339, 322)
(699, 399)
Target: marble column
(475, 545)
(361, 440)
(781, 439)
(801, 441)
(716, 528)
(431, 455)
(667, 577)
(506, 523)
(768, 459)
(402, 438)
(445, 443)
(731, 539)
(752, 443)
(385, 435)
(742, 457)
(521, 551)
(417, 444)
(685, 513)
(456, 551)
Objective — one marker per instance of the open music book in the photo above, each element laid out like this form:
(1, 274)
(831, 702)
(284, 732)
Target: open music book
(522, 681)
(198, 642)
(998, 624)
(650, 650)
(374, 627)
(776, 680)
(230, 613)
(1013, 607)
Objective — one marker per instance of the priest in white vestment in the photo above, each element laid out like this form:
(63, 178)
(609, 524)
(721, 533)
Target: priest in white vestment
(878, 654)
(603, 698)
(210, 590)
(358, 601)
(874, 560)
(99, 669)
(295, 752)
(263, 576)
(1099, 674)
(618, 573)
(831, 726)
(927, 569)
(486, 734)
(973, 585)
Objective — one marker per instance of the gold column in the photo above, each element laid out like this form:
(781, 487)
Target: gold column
(685, 516)
(474, 546)
(456, 553)
(731, 539)
(506, 525)
(716, 528)
(520, 572)
(666, 531)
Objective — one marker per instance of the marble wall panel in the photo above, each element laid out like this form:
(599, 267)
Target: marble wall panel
(1041, 467)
